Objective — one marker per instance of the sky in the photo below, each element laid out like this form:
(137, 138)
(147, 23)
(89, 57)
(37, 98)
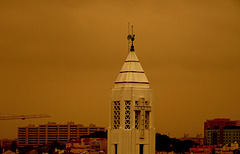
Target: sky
(62, 57)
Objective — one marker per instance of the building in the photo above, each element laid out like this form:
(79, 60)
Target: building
(218, 149)
(85, 145)
(230, 134)
(209, 149)
(6, 143)
(131, 126)
(164, 152)
(227, 148)
(221, 131)
(48, 133)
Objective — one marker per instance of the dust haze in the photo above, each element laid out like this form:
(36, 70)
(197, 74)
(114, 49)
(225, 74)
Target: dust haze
(62, 57)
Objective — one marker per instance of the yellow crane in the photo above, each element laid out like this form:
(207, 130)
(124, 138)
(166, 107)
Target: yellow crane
(23, 117)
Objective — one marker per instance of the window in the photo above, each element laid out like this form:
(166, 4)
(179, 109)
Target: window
(146, 102)
(115, 145)
(137, 118)
(146, 120)
(136, 103)
(116, 114)
(127, 114)
(141, 149)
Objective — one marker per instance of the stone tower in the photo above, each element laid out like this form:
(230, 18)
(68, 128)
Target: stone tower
(131, 125)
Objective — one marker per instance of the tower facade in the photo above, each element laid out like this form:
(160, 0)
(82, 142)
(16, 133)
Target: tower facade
(131, 125)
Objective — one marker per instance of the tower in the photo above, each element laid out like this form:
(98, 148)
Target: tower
(131, 126)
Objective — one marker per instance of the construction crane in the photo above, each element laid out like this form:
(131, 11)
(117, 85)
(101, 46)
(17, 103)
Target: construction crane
(23, 117)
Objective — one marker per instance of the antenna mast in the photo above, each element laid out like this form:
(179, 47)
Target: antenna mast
(132, 38)
(128, 35)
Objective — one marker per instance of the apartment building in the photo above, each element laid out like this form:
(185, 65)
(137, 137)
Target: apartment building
(50, 132)
(221, 131)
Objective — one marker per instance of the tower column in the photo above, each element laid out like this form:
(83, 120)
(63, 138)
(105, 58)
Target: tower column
(131, 128)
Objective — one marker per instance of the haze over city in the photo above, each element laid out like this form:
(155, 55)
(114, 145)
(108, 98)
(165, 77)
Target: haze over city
(62, 58)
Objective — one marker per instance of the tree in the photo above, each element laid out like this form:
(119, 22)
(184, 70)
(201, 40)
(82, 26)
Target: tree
(55, 145)
(162, 143)
(25, 149)
(41, 149)
(99, 134)
(165, 143)
(13, 146)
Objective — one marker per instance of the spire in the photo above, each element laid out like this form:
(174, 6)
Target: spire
(132, 73)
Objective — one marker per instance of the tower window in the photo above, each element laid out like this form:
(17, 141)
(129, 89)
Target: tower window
(136, 103)
(127, 103)
(137, 118)
(127, 114)
(146, 102)
(115, 145)
(140, 148)
(146, 120)
(116, 114)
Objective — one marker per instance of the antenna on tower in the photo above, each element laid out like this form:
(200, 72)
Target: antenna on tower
(128, 35)
(132, 38)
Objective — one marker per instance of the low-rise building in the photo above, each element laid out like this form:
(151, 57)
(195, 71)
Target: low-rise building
(203, 149)
(87, 145)
(217, 149)
(227, 148)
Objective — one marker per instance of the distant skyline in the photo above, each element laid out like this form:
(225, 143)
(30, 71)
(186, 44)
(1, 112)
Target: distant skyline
(62, 57)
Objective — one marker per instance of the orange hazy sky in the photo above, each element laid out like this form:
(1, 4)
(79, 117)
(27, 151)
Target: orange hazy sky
(61, 57)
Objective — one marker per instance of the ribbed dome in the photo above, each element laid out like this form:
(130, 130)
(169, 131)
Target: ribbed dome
(132, 73)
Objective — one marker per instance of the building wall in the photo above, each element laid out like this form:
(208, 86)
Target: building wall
(229, 135)
(86, 145)
(217, 124)
(48, 133)
(128, 140)
(212, 137)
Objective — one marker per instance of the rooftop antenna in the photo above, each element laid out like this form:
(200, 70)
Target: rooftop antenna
(132, 38)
